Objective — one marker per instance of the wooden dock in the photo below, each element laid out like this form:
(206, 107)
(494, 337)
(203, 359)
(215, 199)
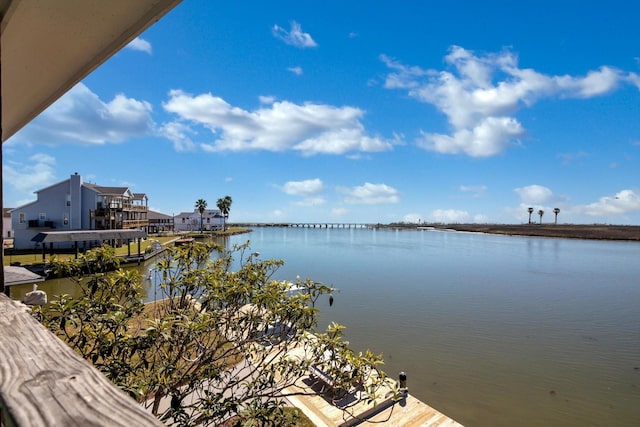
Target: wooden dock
(391, 408)
(408, 411)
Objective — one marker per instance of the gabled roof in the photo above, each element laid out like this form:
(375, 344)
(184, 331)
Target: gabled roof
(52, 185)
(14, 275)
(111, 191)
(157, 215)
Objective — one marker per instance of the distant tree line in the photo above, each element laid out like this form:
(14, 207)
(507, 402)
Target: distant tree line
(556, 211)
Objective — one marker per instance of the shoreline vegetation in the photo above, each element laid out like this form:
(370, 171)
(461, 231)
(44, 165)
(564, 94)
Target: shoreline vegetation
(567, 231)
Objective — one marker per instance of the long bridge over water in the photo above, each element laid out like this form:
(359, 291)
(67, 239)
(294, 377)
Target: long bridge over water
(308, 224)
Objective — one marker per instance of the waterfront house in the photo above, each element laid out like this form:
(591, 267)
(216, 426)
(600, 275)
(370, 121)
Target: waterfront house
(212, 219)
(159, 222)
(76, 205)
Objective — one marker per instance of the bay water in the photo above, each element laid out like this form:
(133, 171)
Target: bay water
(491, 330)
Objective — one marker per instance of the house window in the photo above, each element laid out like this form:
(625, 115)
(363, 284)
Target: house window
(66, 220)
(43, 216)
(22, 219)
(68, 199)
(183, 220)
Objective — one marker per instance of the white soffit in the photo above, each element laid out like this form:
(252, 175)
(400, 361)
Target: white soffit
(50, 45)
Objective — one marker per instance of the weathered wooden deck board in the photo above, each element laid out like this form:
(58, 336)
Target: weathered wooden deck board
(45, 383)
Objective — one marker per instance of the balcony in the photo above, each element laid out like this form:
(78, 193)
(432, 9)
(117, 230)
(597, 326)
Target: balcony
(134, 208)
(135, 223)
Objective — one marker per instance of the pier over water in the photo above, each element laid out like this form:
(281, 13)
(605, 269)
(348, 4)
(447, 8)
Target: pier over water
(308, 224)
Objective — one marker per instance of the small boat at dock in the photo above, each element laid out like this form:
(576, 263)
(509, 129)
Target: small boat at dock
(183, 241)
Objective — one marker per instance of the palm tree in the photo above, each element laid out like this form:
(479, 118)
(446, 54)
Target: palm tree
(201, 205)
(530, 212)
(224, 205)
(556, 211)
(540, 212)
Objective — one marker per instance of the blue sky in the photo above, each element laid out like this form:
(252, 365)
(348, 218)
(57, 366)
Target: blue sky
(348, 111)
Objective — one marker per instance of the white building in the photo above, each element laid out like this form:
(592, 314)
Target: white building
(212, 219)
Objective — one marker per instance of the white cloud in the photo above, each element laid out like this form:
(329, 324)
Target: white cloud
(308, 128)
(81, 116)
(480, 219)
(480, 93)
(303, 188)
(308, 189)
(295, 37)
(311, 201)
(571, 157)
(296, 70)
(448, 216)
(535, 194)
(177, 133)
(37, 173)
(339, 212)
(412, 218)
(267, 99)
(370, 194)
(140, 45)
(476, 190)
(623, 202)
(634, 79)
(488, 138)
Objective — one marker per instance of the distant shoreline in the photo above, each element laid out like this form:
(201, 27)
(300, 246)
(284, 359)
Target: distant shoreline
(630, 233)
(568, 231)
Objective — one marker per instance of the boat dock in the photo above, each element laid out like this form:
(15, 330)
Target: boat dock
(394, 405)
(409, 411)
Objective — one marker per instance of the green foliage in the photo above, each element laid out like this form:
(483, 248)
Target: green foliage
(201, 205)
(224, 204)
(97, 260)
(221, 342)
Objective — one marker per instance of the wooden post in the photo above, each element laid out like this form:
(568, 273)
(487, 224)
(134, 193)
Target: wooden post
(2, 289)
(45, 383)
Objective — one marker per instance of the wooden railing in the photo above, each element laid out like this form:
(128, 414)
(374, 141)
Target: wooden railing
(45, 383)
(134, 223)
(133, 207)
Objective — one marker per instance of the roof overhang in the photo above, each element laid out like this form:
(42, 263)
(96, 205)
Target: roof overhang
(87, 235)
(49, 46)
(14, 275)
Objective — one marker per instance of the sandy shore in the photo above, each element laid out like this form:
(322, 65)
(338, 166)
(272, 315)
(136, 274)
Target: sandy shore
(572, 231)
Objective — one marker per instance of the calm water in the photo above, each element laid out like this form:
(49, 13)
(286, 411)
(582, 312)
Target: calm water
(491, 330)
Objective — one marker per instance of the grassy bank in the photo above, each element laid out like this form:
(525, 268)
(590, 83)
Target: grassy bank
(570, 231)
